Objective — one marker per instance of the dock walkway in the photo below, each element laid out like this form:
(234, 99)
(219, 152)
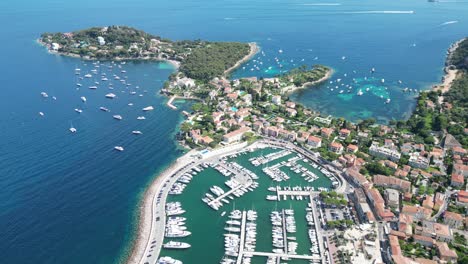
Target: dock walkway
(219, 198)
(283, 255)
(242, 238)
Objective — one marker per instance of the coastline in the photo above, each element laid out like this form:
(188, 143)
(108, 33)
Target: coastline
(147, 208)
(175, 97)
(174, 63)
(145, 214)
(254, 49)
(450, 72)
(293, 88)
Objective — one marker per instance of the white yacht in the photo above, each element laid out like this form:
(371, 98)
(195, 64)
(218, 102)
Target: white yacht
(141, 118)
(119, 148)
(88, 75)
(72, 129)
(176, 245)
(83, 99)
(41, 113)
(79, 84)
(110, 95)
(93, 87)
(104, 109)
(44, 94)
(137, 132)
(387, 101)
(168, 260)
(359, 92)
(148, 108)
(78, 110)
(118, 117)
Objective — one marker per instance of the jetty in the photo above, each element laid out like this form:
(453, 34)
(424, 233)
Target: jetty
(169, 103)
(242, 238)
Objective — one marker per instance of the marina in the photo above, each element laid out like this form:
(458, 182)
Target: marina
(234, 219)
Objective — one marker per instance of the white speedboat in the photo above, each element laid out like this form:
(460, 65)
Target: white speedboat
(360, 92)
(83, 99)
(44, 94)
(118, 117)
(136, 132)
(88, 75)
(148, 108)
(119, 148)
(110, 95)
(176, 245)
(141, 118)
(93, 87)
(78, 110)
(72, 129)
(41, 113)
(104, 109)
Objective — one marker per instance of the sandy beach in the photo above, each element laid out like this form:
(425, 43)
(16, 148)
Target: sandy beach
(450, 73)
(254, 49)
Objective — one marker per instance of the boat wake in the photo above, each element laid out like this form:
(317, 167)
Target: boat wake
(449, 23)
(382, 12)
(229, 18)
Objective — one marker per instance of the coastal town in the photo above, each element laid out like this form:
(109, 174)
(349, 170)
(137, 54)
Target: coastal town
(406, 181)
(394, 193)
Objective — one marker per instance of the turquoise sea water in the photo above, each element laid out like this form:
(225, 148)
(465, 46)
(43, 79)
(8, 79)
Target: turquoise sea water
(71, 199)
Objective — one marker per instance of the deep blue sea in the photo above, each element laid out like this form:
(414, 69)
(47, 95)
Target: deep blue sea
(70, 198)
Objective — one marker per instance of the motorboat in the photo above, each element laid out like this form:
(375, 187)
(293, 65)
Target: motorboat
(148, 108)
(119, 148)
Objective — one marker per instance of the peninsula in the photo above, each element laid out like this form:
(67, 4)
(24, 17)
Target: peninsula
(197, 59)
(403, 181)
(397, 190)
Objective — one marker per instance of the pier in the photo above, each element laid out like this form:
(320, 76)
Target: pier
(219, 198)
(242, 238)
(316, 226)
(169, 103)
(286, 193)
(284, 255)
(241, 176)
(285, 235)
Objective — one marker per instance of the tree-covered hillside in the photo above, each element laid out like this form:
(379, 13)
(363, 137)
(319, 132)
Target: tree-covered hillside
(213, 59)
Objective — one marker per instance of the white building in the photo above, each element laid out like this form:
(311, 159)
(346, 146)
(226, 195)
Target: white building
(187, 82)
(276, 99)
(417, 161)
(101, 41)
(383, 152)
(55, 46)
